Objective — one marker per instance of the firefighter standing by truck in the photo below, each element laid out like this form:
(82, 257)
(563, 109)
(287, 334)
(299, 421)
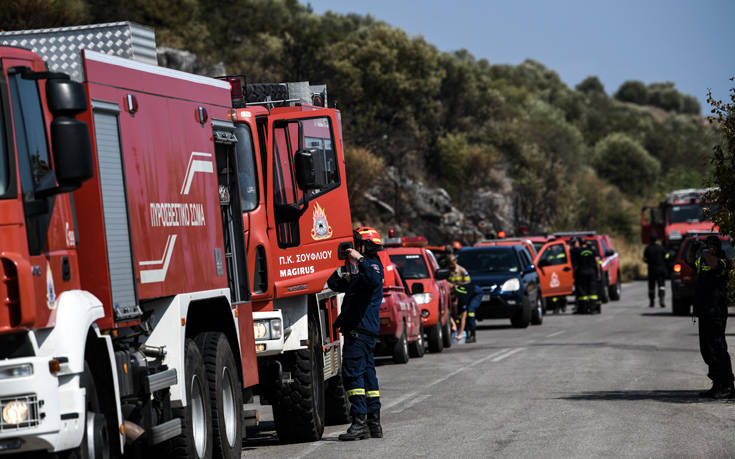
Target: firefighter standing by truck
(710, 305)
(468, 296)
(359, 322)
(656, 258)
(586, 278)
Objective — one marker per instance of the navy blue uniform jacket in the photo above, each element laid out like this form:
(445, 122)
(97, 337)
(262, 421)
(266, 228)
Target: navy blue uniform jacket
(363, 296)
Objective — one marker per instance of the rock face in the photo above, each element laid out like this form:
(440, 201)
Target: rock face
(417, 209)
(185, 61)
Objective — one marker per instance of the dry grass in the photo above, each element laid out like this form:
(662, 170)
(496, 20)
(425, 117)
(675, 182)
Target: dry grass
(632, 266)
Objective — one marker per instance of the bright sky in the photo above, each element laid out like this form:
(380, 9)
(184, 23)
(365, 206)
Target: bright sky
(689, 42)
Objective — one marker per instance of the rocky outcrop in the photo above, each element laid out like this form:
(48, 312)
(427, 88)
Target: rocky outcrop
(185, 61)
(414, 208)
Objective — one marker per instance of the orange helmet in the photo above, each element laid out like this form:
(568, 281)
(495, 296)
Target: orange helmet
(367, 233)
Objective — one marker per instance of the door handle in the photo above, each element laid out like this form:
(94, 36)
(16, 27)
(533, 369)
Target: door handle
(567, 269)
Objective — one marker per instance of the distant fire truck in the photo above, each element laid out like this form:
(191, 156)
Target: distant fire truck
(131, 207)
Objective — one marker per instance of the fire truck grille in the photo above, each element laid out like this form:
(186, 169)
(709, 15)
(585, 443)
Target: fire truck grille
(33, 418)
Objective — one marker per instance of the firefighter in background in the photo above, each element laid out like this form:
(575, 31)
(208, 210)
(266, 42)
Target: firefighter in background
(587, 278)
(468, 296)
(656, 257)
(359, 322)
(712, 269)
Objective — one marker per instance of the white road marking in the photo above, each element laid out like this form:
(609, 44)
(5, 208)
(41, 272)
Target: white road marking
(556, 334)
(400, 399)
(507, 354)
(476, 362)
(413, 402)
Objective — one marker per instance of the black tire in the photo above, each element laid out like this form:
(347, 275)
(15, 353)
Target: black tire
(537, 314)
(522, 318)
(417, 348)
(603, 288)
(436, 338)
(337, 402)
(616, 289)
(299, 407)
(679, 306)
(225, 394)
(197, 415)
(400, 349)
(261, 92)
(447, 334)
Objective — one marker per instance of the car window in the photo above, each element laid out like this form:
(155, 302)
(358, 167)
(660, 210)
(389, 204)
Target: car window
(604, 246)
(525, 257)
(555, 255)
(483, 261)
(411, 266)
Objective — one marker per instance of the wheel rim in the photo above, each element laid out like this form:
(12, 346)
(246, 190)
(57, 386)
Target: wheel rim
(405, 343)
(539, 309)
(228, 407)
(198, 421)
(441, 331)
(421, 338)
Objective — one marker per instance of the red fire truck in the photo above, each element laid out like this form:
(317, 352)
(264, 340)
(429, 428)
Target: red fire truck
(681, 212)
(126, 318)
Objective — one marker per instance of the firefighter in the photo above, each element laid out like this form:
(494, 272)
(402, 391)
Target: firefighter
(468, 295)
(359, 322)
(587, 277)
(710, 305)
(656, 257)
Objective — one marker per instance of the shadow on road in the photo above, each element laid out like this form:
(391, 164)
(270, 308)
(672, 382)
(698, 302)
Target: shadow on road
(663, 313)
(667, 396)
(493, 326)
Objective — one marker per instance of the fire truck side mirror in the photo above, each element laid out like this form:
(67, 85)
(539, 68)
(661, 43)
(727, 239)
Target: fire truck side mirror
(70, 139)
(305, 162)
(441, 273)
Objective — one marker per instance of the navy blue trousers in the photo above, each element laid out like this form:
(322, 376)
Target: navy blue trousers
(358, 374)
(472, 305)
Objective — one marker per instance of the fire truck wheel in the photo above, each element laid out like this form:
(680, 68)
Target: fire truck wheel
(400, 349)
(447, 334)
(261, 92)
(299, 406)
(225, 395)
(603, 288)
(436, 338)
(616, 289)
(537, 315)
(96, 440)
(196, 440)
(417, 348)
(338, 404)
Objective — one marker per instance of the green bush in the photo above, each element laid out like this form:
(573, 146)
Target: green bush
(626, 164)
(632, 91)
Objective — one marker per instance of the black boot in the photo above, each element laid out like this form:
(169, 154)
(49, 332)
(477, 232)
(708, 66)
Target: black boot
(650, 304)
(724, 391)
(373, 422)
(661, 302)
(709, 393)
(358, 430)
(471, 336)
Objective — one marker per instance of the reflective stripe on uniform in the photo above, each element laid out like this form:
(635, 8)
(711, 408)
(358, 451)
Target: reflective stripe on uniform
(584, 298)
(461, 290)
(470, 314)
(593, 297)
(353, 392)
(373, 393)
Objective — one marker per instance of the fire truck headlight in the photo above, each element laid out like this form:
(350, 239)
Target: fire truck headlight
(17, 371)
(423, 298)
(276, 328)
(261, 329)
(15, 412)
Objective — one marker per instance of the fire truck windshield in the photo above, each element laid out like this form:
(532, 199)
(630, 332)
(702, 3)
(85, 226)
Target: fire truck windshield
(686, 214)
(411, 266)
(247, 171)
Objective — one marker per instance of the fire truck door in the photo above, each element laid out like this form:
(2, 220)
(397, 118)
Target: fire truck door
(230, 207)
(554, 266)
(651, 222)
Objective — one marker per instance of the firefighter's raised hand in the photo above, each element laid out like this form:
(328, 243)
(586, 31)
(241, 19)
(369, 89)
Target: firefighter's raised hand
(354, 254)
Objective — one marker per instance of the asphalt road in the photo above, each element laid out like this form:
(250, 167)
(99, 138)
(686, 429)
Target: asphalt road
(620, 384)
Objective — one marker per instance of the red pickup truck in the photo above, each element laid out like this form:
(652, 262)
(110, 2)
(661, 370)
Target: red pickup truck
(401, 331)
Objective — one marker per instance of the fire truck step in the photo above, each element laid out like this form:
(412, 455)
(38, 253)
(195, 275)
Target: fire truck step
(166, 431)
(162, 380)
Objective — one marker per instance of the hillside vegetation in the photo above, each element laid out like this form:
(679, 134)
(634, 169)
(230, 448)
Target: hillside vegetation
(574, 157)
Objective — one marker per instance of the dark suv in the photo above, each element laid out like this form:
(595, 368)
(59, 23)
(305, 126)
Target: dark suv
(509, 282)
(683, 276)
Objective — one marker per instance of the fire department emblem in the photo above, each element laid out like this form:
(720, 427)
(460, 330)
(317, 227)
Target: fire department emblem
(554, 281)
(321, 229)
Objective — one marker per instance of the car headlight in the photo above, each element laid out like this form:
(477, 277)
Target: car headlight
(423, 298)
(276, 328)
(15, 412)
(262, 329)
(511, 285)
(674, 234)
(16, 371)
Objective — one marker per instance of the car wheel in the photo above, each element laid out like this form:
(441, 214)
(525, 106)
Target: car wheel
(603, 288)
(522, 318)
(447, 333)
(400, 349)
(436, 338)
(537, 315)
(616, 290)
(416, 348)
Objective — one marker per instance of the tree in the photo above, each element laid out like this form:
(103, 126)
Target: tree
(632, 91)
(723, 160)
(626, 164)
(591, 84)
